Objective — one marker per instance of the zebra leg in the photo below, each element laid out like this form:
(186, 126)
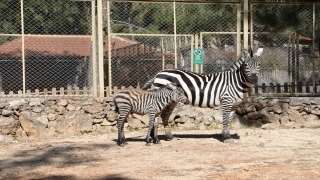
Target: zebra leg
(151, 124)
(231, 116)
(227, 114)
(155, 130)
(166, 112)
(121, 137)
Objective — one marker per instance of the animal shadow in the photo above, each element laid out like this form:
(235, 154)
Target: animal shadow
(218, 137)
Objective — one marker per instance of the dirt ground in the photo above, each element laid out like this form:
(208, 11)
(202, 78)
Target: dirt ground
(256, 154)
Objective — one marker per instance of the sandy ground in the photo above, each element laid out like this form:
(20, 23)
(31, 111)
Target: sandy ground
(256, 154)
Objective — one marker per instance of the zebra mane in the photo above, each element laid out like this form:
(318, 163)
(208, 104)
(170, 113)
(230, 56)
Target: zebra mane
(236, 65)
(233, 67)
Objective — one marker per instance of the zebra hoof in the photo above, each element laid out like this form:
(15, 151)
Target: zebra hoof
(121, 145)
(148, 144)
(228, 140)
(157, 142)
(169, 135)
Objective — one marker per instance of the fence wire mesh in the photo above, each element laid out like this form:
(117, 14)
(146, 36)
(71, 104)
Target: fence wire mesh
(156, 49)
(50, 45)
(286, 32)
(220, 51)
(53, 44)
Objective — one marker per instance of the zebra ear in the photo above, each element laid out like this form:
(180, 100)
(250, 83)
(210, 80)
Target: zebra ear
(251, 53)
(244, 53)
(259, 51)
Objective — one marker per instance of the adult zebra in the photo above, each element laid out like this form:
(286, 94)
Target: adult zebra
(225, 88)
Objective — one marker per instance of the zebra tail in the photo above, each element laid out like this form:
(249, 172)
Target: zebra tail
(116, 106)
(147, 85)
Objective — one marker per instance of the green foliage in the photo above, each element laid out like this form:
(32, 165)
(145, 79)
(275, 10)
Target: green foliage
(45, 17)
(158, 17)
(57, 17)
(130, 128)
(281, 18)
(113, 130)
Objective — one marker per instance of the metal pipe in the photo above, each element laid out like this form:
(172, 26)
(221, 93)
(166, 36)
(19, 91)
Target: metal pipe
(245, 24)
(109, 47)
(162, 53)
(23, 52)
(165, 35)
(94, 49)
(251, 28)
(238, 31)
(313, 44)
(100, 50)
(196, 44)
(191, 53)
(175, 34)
(201, 46)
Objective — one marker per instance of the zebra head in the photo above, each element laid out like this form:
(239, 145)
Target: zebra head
(178, 94)
(252, 64)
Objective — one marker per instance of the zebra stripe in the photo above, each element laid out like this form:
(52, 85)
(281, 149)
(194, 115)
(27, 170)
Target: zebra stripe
(145, 102)
(224, 88)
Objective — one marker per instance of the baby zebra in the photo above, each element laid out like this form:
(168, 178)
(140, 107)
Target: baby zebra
(145, 102)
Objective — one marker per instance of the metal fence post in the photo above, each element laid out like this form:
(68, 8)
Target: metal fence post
(251, 28)
(100, 50)
(313, 53)
(22, 51)
(238, 31)
(245, 35)
(109, 47)
(175, 34)
(191, 53)
(94, 47)
(196, 45)
(245, 23)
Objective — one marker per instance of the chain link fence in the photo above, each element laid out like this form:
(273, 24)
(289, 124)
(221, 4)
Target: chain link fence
(52, 47)
(45, 45)
(151, 36)
(290, 60)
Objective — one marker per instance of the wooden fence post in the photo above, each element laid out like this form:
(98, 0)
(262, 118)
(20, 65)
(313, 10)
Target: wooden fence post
(278, 88)
(85, 91)
(271, 88)
(37, 93)
(307, 87)
(28, 93)
(69, 91)
(61, 91)
(108, 92)
(293, 87)
(263, 87)
(77, 91)
(45, 91)
(299, 89)
(54, 91)
(256, 90)
(286, 88)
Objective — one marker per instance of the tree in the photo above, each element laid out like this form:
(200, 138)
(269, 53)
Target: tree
(45, 17)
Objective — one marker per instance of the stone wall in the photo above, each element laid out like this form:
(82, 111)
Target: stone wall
(51, 116)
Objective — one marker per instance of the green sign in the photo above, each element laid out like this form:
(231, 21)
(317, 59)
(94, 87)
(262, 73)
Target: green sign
(197, 56)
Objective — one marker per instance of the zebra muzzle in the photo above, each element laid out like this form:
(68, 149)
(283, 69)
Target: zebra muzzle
(254, 77)
(186, 102)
